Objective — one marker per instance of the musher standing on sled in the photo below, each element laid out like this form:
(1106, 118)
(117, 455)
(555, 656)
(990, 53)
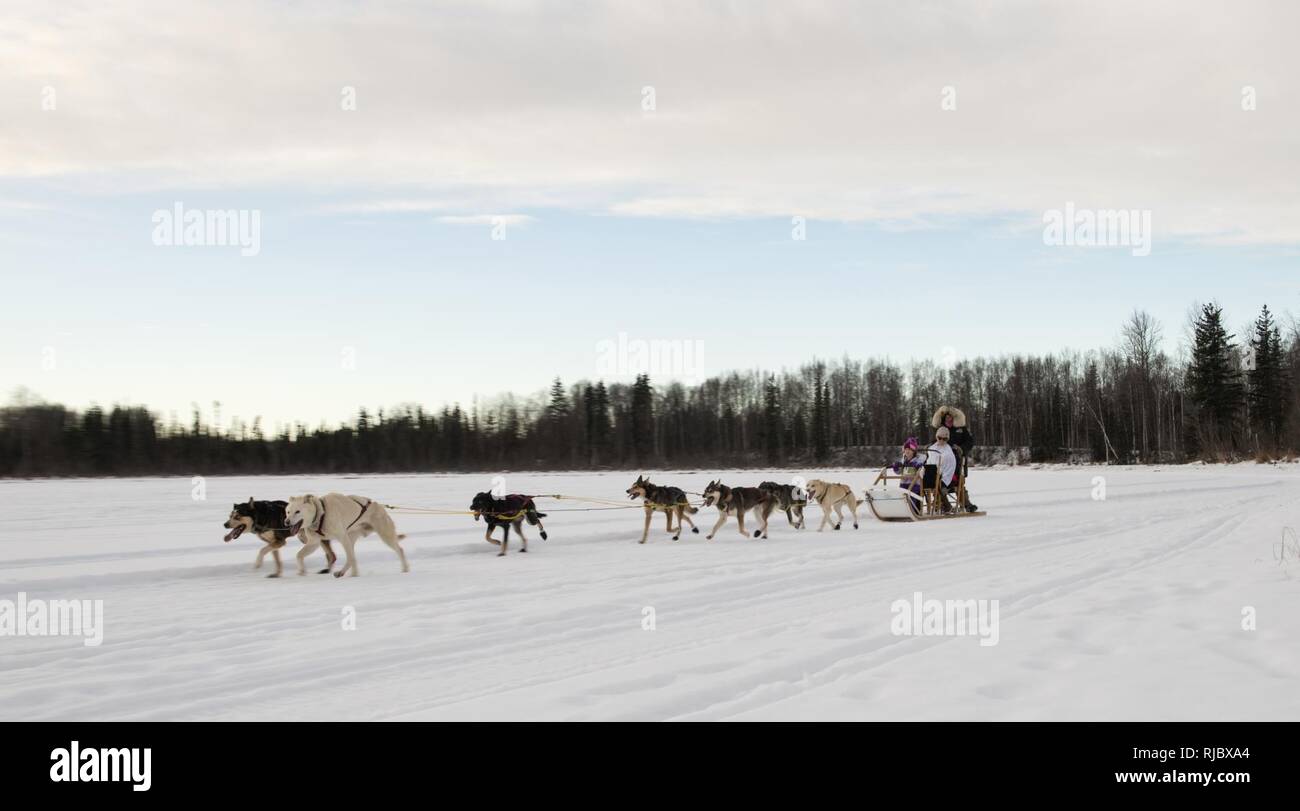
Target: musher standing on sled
(959, 435)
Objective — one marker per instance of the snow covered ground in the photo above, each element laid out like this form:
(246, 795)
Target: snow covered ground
(1125, 608)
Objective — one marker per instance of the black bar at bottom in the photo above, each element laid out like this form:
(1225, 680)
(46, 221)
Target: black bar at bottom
(213, 761)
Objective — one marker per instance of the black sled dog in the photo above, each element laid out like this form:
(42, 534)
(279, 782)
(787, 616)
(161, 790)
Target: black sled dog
(266, 519)
(506, 512)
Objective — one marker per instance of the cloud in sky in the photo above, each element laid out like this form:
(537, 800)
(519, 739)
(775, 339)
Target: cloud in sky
(823, 110)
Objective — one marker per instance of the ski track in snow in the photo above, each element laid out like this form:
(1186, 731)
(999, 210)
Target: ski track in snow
(1128, 608)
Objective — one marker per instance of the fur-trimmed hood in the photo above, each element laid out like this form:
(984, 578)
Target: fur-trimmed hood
(958, 418)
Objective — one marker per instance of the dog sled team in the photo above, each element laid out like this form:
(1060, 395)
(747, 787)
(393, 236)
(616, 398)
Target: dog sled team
(931, 484)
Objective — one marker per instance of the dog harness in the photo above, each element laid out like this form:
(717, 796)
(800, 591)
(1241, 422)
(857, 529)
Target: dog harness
(656, 506)
(527, 504)
(659, 507)
(508, 517)
(320, 519)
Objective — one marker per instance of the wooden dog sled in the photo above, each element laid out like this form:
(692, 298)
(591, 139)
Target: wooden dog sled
(889, 501)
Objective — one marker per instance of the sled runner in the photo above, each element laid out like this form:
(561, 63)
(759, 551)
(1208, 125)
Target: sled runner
(891, 502)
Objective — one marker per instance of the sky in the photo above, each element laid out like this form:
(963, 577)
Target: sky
(455, 200)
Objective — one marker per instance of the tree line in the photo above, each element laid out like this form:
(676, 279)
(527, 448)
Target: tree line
(1231, 397)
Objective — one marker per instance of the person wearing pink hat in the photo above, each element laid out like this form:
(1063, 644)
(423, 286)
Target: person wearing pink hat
(911, 468)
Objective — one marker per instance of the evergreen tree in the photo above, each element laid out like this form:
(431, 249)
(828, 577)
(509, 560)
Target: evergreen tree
(772, 423)
(1266, 376)
(558, 407)
(821, 421)
(595, 407)
(589, 422)
(604, 427)
(1213, 380)
(642, 420)
(556, 441)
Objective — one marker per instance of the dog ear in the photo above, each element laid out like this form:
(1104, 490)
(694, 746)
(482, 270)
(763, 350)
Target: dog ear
(250, 501)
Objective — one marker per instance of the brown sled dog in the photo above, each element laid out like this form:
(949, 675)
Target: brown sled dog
(670, 500)
(789, 498)
(737, 501)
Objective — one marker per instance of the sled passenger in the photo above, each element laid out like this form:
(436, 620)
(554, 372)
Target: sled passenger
(941, 462)
(911, 468)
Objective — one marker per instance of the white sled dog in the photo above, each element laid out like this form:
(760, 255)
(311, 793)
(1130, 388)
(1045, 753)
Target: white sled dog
(831, 495)
(341, 518)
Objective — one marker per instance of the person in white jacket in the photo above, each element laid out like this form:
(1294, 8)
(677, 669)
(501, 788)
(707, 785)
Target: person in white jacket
(940, 454)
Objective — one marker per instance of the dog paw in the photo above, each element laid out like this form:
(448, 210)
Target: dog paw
(338, 574)
(543, 536)
(837, 526)
(501, 554)
(696, 530)
(269, 576)
(675, 537)
(522, 550)
(757, 533)
(323, 571)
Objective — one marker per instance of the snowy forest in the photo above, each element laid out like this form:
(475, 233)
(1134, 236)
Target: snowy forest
(1227, 397)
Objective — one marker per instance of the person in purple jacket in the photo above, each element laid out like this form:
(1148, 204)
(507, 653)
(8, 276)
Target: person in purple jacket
(912, 468)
